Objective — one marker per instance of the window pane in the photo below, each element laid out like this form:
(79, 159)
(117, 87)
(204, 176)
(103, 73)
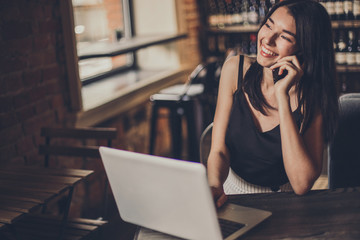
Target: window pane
(162, 19)
(99, 21)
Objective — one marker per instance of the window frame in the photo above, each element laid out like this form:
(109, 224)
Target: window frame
(74, 82)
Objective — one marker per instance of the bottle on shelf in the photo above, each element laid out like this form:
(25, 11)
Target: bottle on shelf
(252, 45)
(330, 8)
(253, 12)
(351, 49)
(245, 11)
(340, 56)
(237, 16)
(229, 12)
(222, 13)
(334, 41)
(271, 3)
(213, 13)
(263, 10)
(356, 9)
(245, 45)
(357, 54)
(348, 10)
(339, 10)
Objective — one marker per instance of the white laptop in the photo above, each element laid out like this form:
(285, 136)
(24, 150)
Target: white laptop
(172, 197)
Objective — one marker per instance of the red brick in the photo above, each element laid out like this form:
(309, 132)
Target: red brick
(24, 145)
(54, 87)
(8, 119)
(48, 12)
(50, 57)
(16, 161)
(10, 134)
(3, 86)
(10, 11)
(16, 29)
(60, 115)
(33, 158)
(25, 113)
(21, 99)
(49, 26)
(33, 125)
(42, 106)
(57, 101)
(6, 104)
(37, 93)
(7, 152)
(12, 64)
(51, 72)
(34, 11)
(19, 46)
(36, 59)
(14, 82)
(32, 78)
(42, 41)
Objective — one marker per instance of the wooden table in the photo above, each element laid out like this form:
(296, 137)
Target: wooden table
(25, 190)
(320, 214)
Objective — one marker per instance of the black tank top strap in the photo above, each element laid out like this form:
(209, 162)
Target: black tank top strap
(240, 74)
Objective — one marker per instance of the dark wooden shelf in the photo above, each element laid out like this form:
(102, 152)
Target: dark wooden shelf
(347, 68)
(254, 28)
(234, 29)
(345, 24)
(106, 49)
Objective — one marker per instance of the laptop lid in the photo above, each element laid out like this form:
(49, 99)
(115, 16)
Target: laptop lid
(166, 195)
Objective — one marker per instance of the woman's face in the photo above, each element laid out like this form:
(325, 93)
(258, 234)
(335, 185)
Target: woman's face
(276, 38)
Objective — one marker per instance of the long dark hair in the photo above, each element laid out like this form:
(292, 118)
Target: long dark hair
(317, 88)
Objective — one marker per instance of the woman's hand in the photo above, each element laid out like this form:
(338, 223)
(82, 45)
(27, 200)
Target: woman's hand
(219, 196)
(295, 72)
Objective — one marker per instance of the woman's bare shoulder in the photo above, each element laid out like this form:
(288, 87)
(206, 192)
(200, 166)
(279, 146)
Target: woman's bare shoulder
(248, 61)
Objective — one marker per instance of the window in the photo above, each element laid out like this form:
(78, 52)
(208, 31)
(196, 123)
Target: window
(112, 66)
(99, 23)
(111, 36)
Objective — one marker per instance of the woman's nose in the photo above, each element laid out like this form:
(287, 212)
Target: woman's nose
(270, 39)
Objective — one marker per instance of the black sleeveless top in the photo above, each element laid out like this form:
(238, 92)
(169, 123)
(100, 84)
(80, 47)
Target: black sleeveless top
(254, 156)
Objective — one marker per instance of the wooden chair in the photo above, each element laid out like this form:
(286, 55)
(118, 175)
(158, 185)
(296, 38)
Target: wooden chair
(66, 143)
(79, 143)
(86, 151)
(205, 144)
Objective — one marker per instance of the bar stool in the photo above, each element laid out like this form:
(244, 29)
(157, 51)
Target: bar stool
(181, 101)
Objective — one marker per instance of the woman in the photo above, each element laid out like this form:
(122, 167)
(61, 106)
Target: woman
(270, 136)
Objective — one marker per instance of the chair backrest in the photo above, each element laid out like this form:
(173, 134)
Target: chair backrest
(205, 144)
(82, 134)
(344, 150)
(79, 143)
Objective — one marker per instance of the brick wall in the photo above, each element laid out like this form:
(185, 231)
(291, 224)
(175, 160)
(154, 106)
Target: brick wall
(34, 90)
(32, 83)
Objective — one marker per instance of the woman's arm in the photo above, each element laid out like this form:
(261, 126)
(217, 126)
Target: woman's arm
(302, 155)
(218, 160)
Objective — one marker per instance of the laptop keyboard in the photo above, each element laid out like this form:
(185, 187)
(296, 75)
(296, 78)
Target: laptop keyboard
(228, 227)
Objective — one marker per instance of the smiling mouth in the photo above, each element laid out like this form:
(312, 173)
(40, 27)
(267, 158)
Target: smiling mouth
(267, 52)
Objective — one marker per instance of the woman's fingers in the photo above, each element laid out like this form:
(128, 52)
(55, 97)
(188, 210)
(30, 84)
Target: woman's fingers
(221, 200)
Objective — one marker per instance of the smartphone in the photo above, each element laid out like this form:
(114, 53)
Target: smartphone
(275, 72)
(276, 75)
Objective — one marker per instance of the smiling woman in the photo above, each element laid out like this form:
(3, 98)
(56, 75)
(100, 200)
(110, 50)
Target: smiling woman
(270, 135)
(277, 38)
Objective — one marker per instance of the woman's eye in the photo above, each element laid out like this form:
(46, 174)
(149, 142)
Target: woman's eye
(286, 38)
(267, 25)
